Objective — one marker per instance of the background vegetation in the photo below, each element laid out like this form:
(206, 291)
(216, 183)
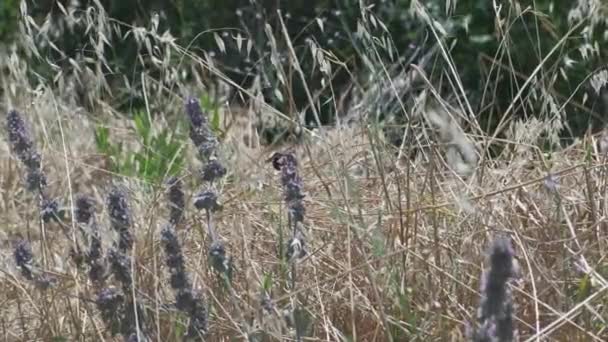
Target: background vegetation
(492, 63)
(422, 129)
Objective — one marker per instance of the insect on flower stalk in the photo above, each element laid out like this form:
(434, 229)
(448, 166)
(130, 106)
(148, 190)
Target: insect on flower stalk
(292, 190)
(22, 146)
(292, 185)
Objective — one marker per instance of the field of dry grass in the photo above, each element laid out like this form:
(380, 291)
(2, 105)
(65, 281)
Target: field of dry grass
(396, 239)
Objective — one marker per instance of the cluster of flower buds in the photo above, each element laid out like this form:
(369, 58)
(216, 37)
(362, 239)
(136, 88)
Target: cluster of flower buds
(84, 214)
(24, 259)
(110, 301)
(120, 219)
(176, 199)
(206, 143)
(22, 146)
(131, 324)
(187, 301)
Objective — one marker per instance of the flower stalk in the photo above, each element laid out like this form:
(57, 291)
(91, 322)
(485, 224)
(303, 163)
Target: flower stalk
(206, 143)
(495, 314)
(22, 146)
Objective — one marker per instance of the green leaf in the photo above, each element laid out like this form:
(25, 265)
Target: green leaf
(215, 120)
(155, 157)
(378, 243)
(584, 288)
(142, 127)
(267, 282)
(101, 139)
(303, 322)
(179, 328)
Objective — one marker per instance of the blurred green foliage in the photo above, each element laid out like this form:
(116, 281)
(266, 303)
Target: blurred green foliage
(9, 16)
(491, 65)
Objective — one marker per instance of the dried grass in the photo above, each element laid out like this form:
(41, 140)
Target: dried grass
(395, 246)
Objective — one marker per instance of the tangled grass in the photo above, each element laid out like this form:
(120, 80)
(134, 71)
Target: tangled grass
(343, 237)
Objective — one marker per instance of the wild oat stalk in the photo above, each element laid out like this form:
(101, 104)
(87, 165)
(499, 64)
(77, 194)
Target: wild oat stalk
(22, 146)
(495, 313)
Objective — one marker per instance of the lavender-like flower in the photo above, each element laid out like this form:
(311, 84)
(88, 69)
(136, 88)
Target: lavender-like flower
(84, 213)
(173, 249)
(206, 143)
(200, 133)
(35, 180)
(132, 320)
(212, 171)
(110, 303)
(49, 209)
(23, 259)
(206, 200)
(203, 138)
(84, 209)
(20, 140)
(117, 313)
(94, 256)
(120, 217)
(22, 146)
(219, 260)
(175, 197)
(198, 320)
(496, 308)
(188, 302)
(120, 264)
